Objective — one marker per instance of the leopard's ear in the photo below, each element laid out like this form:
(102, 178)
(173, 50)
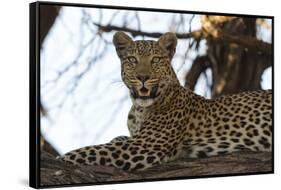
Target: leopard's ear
(168, 43)
(121, 42)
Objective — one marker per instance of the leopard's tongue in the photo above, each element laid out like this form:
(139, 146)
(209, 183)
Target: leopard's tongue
(144, 92)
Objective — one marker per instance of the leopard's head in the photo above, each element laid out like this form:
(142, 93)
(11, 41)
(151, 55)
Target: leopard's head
(146, 66)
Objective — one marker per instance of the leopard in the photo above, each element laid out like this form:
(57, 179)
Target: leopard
(168, 121)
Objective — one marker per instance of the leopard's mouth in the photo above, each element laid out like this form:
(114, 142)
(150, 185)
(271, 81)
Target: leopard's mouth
(144, 93)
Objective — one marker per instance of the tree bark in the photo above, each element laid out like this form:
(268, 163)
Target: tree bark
(55, 172)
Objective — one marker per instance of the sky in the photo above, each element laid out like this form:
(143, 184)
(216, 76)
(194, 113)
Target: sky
(95, 109)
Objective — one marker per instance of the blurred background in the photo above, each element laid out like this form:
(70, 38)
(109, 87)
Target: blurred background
(83, 99)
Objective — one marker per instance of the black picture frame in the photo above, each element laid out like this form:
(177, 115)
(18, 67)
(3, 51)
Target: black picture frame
(34, 91)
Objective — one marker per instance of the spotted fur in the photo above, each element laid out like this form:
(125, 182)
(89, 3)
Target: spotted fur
(167, 121)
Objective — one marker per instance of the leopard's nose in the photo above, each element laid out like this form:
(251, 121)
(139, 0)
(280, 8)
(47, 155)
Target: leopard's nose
(143, 78)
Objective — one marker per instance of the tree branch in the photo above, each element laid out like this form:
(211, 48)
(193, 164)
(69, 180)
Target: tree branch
(217, 36)
(55, 172)
(134, 33)
(200, 64)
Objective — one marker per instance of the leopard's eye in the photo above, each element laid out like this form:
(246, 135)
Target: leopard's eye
(132, 59)
(156, 60)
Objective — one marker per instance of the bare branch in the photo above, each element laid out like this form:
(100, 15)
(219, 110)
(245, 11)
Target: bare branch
(138, 20)
(134, 33)
(217, 36)
(200, 64)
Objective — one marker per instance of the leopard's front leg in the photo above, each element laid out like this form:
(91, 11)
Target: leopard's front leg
(120, 138)
(130, 154)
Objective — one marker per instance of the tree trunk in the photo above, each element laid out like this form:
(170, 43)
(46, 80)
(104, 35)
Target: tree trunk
(234, 68)
(48, 15)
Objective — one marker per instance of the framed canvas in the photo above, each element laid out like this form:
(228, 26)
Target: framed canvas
(120, 94)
